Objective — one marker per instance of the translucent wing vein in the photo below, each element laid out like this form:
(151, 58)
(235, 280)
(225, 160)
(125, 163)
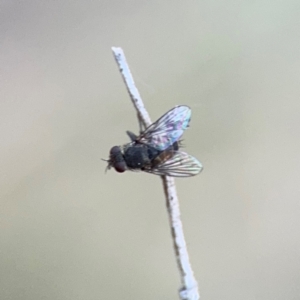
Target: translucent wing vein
(168, 129)
(180, 165)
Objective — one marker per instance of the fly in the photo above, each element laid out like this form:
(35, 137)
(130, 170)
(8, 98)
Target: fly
(156, 150)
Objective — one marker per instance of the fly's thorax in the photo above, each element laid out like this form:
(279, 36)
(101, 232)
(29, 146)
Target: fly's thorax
(136, 156)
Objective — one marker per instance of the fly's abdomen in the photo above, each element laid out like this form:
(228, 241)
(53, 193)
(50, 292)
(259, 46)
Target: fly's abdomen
(163, 156)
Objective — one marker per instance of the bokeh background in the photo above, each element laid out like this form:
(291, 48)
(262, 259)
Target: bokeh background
(70, 231)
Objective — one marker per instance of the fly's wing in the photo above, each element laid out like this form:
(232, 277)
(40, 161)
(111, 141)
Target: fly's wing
(167, 129)
(180, 164)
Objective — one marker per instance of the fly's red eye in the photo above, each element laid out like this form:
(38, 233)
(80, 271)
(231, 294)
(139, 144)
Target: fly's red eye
(120, 167)
(114, 150)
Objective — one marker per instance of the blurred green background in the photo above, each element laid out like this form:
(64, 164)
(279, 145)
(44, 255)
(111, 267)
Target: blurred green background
(70, 231)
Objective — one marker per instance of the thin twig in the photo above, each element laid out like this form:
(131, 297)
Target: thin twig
(189, 289)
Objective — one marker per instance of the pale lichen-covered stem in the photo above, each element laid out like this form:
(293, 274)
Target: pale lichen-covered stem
(189, 289)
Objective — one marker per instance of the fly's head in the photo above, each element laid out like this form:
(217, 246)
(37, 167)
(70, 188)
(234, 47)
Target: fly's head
(116, 159)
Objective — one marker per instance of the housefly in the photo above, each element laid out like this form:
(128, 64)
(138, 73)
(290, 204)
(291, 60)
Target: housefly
(156, 149)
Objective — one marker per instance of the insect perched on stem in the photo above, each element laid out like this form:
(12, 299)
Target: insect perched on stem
(156, 149)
